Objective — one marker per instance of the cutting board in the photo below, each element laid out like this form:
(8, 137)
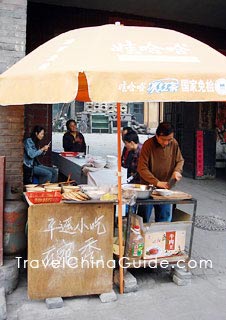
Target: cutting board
(176, 195)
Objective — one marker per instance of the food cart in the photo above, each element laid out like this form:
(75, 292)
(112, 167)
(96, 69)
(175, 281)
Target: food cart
(70, 243)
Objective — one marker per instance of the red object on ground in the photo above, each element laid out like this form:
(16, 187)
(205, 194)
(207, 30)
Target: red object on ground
(44, 197)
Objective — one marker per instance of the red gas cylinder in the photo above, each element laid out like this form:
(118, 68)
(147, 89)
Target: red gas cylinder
(15, 218)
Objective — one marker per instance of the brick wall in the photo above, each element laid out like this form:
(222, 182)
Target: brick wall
(13, 18)
(13, 21)
(11, 144)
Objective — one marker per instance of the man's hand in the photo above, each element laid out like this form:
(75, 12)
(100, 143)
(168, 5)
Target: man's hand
(177, 176)
(162, 185)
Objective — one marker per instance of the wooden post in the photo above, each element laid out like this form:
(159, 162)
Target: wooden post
(120, 233)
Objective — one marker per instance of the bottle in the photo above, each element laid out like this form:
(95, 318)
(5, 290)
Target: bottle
(137, 243)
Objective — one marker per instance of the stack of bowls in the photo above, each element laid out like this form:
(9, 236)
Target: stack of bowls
(99, 163)
(33, 188)
(52, 188)
(111, 162)
(86, 188)
(141, 191)
(95, 194)
(70, 188)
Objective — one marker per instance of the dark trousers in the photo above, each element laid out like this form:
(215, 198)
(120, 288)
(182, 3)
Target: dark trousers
(28, 174)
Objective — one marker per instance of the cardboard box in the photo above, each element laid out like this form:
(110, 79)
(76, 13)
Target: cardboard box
(164, 239)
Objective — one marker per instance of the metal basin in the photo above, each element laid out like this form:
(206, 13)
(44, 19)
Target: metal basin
(142, 191)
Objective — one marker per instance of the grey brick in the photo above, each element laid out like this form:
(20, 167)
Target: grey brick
(13, 24)
(108, 297)
(12, 39)
(12, 47)
(182, 274)
(11, 56)
(10, 6)
(6, 25)
(130, 282)
(16, 2)
(2, 68)
(17, 13)
(53, 303)
(181, 282)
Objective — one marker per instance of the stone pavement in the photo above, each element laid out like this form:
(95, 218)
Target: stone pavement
(157, 296)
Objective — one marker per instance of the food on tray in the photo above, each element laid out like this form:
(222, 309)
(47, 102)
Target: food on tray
(96, 194)
(71, 188)
(109, 197)
(75, 195)
(164, 192)
(152, 251)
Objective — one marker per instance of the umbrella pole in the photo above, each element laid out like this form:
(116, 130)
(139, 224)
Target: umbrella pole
(120, 199)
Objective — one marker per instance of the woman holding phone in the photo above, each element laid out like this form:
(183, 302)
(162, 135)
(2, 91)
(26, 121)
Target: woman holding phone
(32, 166)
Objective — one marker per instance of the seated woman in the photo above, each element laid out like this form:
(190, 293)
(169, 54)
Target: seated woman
(31, 165)
(73, 140)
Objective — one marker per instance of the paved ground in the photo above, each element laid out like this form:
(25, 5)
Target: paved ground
(157, 296)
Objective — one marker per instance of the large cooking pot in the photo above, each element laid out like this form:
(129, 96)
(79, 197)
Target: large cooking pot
(141, 191)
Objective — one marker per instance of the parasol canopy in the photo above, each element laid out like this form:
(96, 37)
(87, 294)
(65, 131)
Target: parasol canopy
(116, 63)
